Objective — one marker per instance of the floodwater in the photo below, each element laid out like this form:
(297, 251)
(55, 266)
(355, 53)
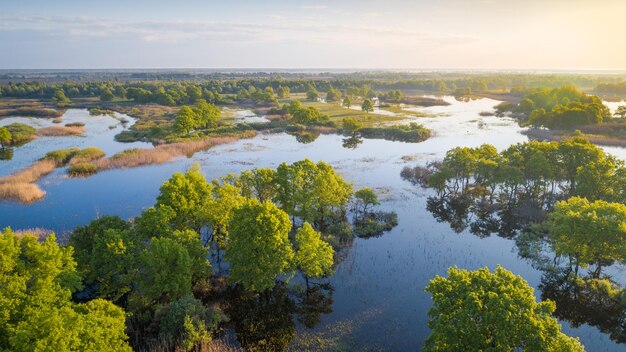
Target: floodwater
(379, 298)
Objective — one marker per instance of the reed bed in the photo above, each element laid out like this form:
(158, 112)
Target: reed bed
(30, 174)
(21, 186)
(161, 153)
(21, 192)
(56, 131)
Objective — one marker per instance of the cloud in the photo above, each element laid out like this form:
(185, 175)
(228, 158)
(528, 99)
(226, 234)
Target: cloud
(314, 7)
(279, 29)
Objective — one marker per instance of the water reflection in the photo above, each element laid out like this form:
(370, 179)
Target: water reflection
(6, 153)
(265, 322)
(352, 142)
(582, 296)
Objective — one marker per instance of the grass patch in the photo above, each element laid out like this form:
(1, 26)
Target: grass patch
(75, 124)
(412, 133)
(87, 154)
(61, 156)
(82, 170)
(337, 113)
(31, 112)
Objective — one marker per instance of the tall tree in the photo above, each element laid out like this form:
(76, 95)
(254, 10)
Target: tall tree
(186, 120)
(189, 196)
(314, 257)
(37, 279)
(5, 137)
(484, 311)
(258, 247)
(367, 106)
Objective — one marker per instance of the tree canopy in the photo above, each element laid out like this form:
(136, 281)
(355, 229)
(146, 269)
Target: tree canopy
(484, 311)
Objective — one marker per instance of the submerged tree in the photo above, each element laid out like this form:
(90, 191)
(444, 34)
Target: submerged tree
(484, 311)
(589, 232)
(314, 257)
(258, 248)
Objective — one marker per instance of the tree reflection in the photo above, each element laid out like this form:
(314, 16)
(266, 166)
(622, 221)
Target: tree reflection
(596, 302)
(6, 153)
(315, 301)
(306, 137)
(352, 142)
(264, 322)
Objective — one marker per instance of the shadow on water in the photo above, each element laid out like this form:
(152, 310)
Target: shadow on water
(267, 321)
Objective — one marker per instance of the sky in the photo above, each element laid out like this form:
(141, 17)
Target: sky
(358, 34)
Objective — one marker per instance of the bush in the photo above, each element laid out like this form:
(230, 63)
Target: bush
(61, 156)
(82, 170)
(412, 133)
(20, 133)
(375, 224)
(87, 154)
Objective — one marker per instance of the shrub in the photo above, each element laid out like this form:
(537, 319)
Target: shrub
(82, 170)
(20, 133)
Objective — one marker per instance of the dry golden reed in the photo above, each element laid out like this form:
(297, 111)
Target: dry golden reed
(56, 131)
(161, 153)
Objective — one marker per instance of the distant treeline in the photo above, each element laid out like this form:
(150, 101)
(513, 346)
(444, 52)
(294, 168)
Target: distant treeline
(611, 88)
(182, 87)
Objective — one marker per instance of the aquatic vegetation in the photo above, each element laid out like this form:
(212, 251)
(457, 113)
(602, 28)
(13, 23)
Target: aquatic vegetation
(82, 169)
(164, 152)
(54, 131)
(412, 133)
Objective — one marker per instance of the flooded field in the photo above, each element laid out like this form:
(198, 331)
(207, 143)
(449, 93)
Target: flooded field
(378, 294)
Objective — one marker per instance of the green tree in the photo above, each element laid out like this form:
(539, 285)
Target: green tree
(367, 106)
(189, 196)
(294, 106)
(365, 198)
(589, 232)
(103, 254)
(351, 124)
(484, 311)
(5, 137)
(206, 114)
(37, 279)
(186, 323)
(186, 120)
(283, 92)
(346, 102)
(333, 94)
(194, 93)
(258, 183)
(258, 247)
(60, 98)
(621, 111)
(107, 95)
(312, 93)
(313, 257)
(166, 272)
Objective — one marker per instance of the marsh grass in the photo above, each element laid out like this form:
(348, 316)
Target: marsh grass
(161, 153)
(86, 155)
(82, 170)
(55, 131)
(21, 192)
(21, 186)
